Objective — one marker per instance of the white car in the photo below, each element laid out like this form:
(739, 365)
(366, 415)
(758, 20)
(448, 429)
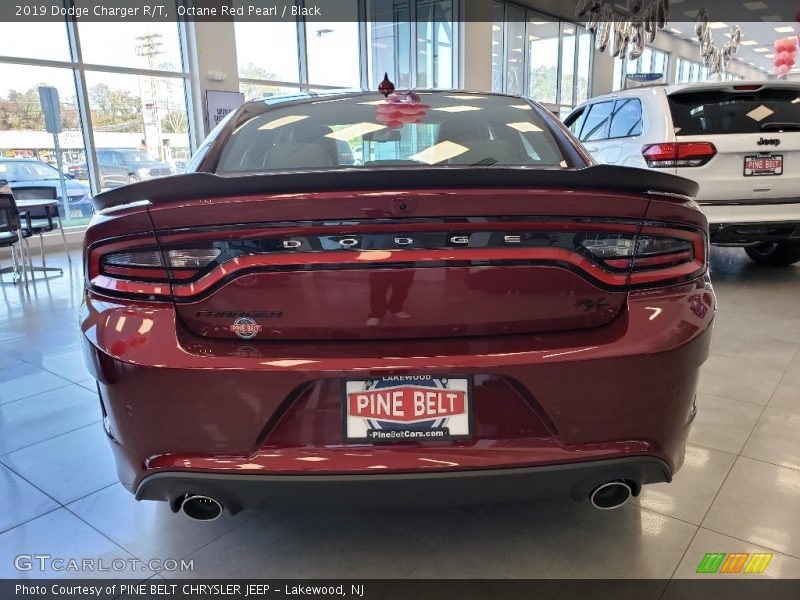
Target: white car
(740, 140)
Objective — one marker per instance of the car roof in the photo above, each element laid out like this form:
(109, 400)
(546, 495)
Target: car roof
(731, 85)
(23, 159)
(657, 89)
(303, 97)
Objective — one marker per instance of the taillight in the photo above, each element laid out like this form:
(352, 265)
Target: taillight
(678, 154)
(134, 270)
(658, 255)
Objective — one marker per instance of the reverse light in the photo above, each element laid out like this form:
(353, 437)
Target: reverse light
(678, 154)
(142, 272)
(192, 258)
(658, 255)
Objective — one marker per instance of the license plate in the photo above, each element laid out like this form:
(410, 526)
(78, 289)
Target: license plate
(757, 166)
(424, 408)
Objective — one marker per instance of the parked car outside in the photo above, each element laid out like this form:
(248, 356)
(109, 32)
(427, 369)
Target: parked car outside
(740, 140)
(27, 172)
(475, 311)
(121, 166)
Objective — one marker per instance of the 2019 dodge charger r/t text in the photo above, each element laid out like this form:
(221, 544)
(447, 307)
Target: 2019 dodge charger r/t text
(421, 298)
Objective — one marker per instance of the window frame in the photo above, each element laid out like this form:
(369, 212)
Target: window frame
(561, 103)
(79, 69)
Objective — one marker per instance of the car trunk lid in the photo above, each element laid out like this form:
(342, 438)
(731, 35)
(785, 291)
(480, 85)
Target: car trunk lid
(397, 263)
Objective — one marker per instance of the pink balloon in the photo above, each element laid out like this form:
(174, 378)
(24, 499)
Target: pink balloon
(790, 43)
(785, 56)
(790, 61)
(779, 59)
(778, 45)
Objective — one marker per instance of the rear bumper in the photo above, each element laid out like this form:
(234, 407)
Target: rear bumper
(240, 492)
(182, 408)
(746, 222)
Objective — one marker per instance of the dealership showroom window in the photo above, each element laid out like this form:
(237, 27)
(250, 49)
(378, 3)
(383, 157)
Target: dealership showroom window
(395, 298)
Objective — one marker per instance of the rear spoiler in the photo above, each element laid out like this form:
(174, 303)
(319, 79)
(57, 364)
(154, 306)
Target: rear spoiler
(208, 185)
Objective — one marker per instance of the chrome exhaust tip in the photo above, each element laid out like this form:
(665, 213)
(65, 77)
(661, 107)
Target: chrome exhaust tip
(611, 495)
(201, 508)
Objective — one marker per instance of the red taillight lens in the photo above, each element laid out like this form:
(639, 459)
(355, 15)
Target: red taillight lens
(122, 269)
(678, 154)
(656, 256)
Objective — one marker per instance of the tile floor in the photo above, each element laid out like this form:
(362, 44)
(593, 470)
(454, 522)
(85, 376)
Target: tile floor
(739, 490)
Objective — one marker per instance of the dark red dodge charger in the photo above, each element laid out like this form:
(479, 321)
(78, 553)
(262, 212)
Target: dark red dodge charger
(421, 298)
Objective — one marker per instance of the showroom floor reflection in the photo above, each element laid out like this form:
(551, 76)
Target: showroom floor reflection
(739, 490)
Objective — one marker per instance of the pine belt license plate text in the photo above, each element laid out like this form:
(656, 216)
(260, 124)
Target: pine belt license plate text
(407, 408)
(755, 166)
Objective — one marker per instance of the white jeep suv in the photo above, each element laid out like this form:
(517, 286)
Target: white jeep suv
(739, 140)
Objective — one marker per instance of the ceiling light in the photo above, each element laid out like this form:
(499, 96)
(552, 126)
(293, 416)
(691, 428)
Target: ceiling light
(760, 113)
(769, 55)
(533, 38)
(675, 31)
(760, 50)
(717, 25)
(439, 152)
(356, 130)
(569, 31)
(495, 27)
(754, 5)
(770, 18)
(457, 109)
(275, 123)
(749, 43)
(524, 126)
(785, 29)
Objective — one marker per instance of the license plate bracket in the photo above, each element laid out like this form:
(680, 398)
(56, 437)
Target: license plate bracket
(759, 165)
(403, 409)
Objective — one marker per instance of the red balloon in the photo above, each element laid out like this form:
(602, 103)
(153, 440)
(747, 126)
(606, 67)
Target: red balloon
(790, 43)
(779, 59)
(790, 61)
(778, 45)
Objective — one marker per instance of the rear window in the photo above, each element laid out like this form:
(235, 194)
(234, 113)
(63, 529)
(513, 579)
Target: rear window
(719, 111)
(369, 131)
